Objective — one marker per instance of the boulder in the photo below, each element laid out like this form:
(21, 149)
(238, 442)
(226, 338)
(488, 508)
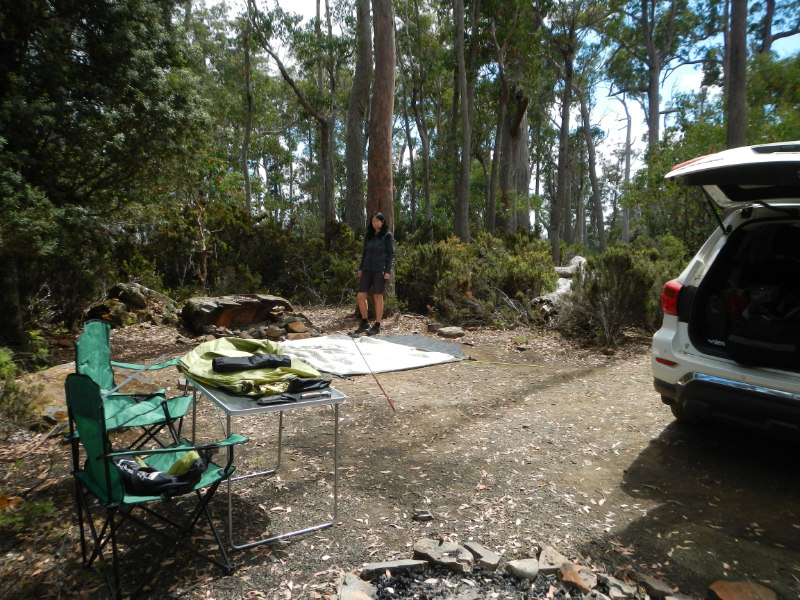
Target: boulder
(447, 554)
(130, 303)
(228, 312)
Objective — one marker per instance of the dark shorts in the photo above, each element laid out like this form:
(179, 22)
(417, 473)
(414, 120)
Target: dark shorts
(371, 281)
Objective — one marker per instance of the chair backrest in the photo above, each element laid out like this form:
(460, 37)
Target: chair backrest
(87, 416)
(93, 353)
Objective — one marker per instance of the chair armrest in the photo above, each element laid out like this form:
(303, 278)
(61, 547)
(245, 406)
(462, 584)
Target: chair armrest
(137, 367)
(231, 440)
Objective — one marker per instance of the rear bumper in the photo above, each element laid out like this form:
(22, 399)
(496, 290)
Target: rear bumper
(775, 412)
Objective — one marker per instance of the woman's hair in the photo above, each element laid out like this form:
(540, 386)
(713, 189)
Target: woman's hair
(371, 230)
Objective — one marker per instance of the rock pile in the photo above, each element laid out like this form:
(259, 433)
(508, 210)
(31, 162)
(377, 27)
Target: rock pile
(444, 570)
(130, 303)
(256, 316)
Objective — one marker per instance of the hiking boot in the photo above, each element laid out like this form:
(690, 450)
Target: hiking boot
(361, 328)
(376, 328)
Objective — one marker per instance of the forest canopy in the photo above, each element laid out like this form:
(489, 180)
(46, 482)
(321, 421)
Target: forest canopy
(210, 149)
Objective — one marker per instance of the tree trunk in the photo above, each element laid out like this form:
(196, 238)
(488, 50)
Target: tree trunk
(328, 200)
(626, 211)
(514, 175)
(418, 90)
(249, 121)
(765, 32)
(356, 115)
(653, 75)
(326, 125)
(11, 329)
(492, 219)
(461, 200)
(522, 163)
(379, 160)
(412, 175)
(561, 207)
(466, 89)
(737, 76)
(597, 199)
(422, 131)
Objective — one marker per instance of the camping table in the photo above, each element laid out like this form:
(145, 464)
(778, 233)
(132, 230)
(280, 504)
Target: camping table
(240, 406)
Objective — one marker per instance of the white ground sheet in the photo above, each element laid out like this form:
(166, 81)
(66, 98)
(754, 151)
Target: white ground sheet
(345, 355)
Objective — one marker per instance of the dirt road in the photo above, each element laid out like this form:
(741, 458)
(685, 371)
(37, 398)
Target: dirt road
(538, 442)
(534, 442)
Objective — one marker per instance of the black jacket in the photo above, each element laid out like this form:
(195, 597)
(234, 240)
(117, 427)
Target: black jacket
(378, 254)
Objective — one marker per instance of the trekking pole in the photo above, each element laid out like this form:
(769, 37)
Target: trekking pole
(373, 375)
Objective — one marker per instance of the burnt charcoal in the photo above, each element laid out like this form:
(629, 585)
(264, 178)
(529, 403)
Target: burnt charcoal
(445, 584)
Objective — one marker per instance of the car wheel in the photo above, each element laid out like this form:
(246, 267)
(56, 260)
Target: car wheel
(679, 412)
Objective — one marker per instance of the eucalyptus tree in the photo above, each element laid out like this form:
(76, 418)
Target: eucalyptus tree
(515, 36)
(379, 158)
(736, 61)
(356, 117)
(278, 26)
(648, 39)
(465, 85)
(422, 54)
(776, 20)
(571, 24)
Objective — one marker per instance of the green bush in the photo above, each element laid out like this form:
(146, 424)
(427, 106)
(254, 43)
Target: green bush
(664, 259)
(486, 282)
(611, 293)
(13, 402)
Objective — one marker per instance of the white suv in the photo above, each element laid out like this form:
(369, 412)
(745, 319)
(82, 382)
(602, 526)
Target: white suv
(729, 346)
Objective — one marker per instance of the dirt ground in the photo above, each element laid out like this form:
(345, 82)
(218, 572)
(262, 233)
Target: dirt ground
(534, 441)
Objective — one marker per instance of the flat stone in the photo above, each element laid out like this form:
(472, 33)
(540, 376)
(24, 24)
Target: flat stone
(524, 568)
(274, 332)
(577, 577)
(393, 566)
(617, 589)
(740, 590)
(296, 327)
(450, 332)
(355, 588)
(484, 558)
(447, 554)
(298, 336)
(655, 587)
(550, 560)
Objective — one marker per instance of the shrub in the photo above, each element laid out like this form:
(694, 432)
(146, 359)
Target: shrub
(13, 401)
(487, 281)
(612, 293)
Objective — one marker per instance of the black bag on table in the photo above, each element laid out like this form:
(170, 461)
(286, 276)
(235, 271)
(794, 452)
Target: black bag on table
(232, 364)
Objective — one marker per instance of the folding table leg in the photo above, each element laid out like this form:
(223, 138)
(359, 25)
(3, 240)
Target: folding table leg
(319, 527)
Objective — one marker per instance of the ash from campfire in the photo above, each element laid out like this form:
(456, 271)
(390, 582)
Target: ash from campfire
(440, 583)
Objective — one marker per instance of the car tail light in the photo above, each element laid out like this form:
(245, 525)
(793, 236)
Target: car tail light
(669, 297)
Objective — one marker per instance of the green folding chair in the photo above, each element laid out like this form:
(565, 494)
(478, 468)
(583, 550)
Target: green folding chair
(107, 508)
(151, 412)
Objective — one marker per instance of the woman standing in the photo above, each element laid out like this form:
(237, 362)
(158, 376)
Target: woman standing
(377, 260)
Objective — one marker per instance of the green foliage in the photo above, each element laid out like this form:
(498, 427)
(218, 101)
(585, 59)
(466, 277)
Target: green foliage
(13, 402)
(95, 99)
(773, 98)
(620, 289)
(137, 268)
(483, 282)
(18, 515)
(8, 368)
